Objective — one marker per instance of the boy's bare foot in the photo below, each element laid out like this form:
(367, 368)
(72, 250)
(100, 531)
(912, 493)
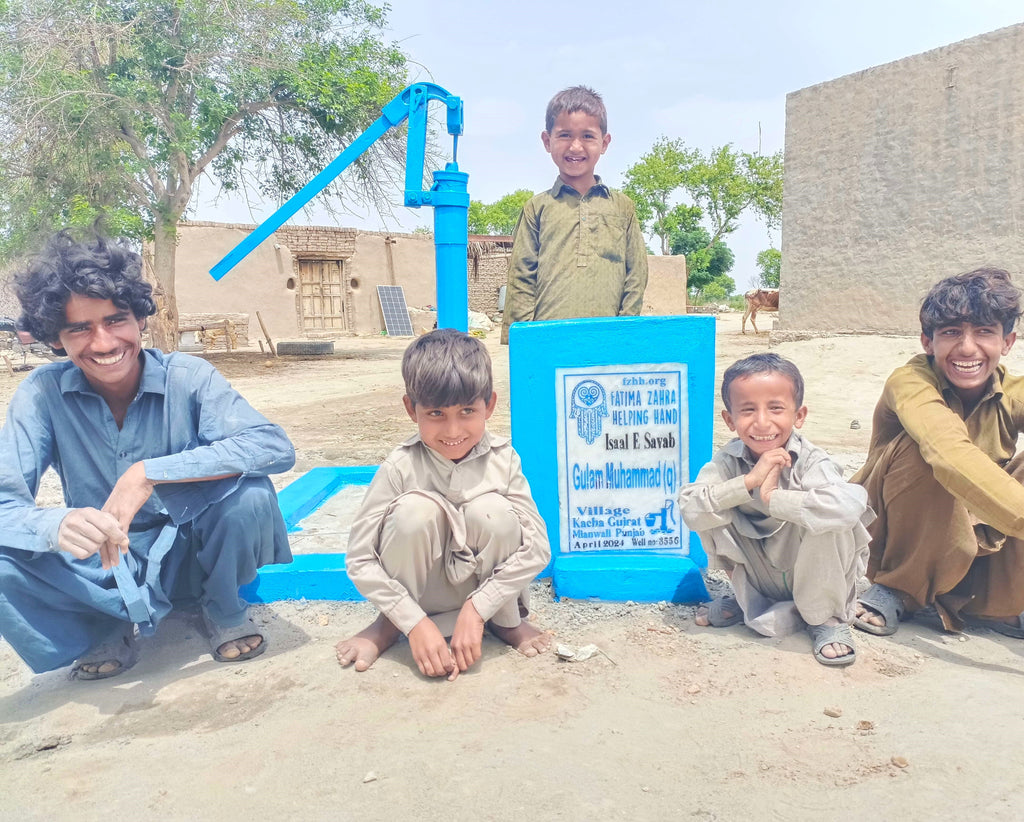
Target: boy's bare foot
(525, 638)
(364, 648)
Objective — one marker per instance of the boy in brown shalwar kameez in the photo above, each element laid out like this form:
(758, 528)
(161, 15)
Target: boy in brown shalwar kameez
(578, 248)
(942, 472)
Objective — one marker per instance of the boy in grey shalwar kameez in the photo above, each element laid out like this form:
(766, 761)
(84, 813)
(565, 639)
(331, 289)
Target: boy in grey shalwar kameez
(774, 512)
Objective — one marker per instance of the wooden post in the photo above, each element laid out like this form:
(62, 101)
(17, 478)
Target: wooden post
(270, 342)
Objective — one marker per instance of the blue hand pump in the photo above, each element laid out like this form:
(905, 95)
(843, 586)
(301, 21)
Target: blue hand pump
(448, 196)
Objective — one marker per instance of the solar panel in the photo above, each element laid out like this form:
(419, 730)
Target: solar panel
(396, 312)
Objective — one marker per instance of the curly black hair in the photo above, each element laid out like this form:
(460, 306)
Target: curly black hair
(985, 296)
(96, 267)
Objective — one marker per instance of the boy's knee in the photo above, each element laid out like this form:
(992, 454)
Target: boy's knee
(491, 516)
(246, 526)
(907, 456)
(253, 500)
(411, 514)
(901, 476)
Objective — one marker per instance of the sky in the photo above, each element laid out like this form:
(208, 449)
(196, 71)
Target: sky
(707, 73)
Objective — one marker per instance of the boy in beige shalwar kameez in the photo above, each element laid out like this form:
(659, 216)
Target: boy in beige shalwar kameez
(448, 537)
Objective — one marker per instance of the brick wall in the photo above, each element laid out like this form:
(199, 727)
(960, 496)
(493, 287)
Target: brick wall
(487, 273)
(318, 241)
(327, 242)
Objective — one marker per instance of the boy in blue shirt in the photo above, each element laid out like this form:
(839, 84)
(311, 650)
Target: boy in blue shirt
(164, 471)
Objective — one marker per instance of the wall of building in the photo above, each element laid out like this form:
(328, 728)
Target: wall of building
(666, 285)
(268, 279)
(261, 282)
(412, 261)
(898, 176)
(488, 272)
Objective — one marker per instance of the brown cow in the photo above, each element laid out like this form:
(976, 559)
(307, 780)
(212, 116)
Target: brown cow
(759, 299)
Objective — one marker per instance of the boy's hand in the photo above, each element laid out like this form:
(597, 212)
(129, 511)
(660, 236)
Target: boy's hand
(771, 482)
(770, 461)
(430, 650)
(467, 638)
(86, 531)
(130, 493)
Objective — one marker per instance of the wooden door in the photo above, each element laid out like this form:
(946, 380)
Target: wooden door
(322, 295)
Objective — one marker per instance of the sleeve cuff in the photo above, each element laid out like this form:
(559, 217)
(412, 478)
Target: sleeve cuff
(184, 501)
(487, 602)
(51, 528)
(786, 505)
(731, 493)
(405, 615)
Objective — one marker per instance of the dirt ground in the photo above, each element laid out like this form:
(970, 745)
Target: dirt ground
(668, 721)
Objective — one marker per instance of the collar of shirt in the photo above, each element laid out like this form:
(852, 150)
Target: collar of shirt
(154, 376)
(598, 190)
(994, 390)
(736, 448)
(487, 442)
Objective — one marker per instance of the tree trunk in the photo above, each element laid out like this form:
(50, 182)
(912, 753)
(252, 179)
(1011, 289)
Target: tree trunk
(164, 324)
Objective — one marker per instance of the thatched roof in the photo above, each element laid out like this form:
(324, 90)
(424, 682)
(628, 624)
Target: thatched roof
(481, 244)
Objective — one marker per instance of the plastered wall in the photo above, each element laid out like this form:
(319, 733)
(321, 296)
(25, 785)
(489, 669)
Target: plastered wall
(898, 176)
(666, 285)
(268, 279)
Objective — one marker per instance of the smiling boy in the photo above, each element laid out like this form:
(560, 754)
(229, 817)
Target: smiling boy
(163, 468)
(773, 511)
(448, 537)
(578, 250)
(942, 472)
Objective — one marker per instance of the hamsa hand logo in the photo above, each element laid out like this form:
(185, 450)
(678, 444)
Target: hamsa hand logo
(588, 406)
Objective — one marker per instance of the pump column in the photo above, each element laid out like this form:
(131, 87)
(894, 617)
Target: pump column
(450, 198)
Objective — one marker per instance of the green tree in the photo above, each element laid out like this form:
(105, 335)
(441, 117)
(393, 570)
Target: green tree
(117, 107)
(501, 216)
(718, 290)
(707, 262)
(725, 183)
(769, 263)
(719, 187)
(651, 183)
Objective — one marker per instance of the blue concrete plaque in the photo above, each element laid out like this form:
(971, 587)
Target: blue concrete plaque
(610, 417)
